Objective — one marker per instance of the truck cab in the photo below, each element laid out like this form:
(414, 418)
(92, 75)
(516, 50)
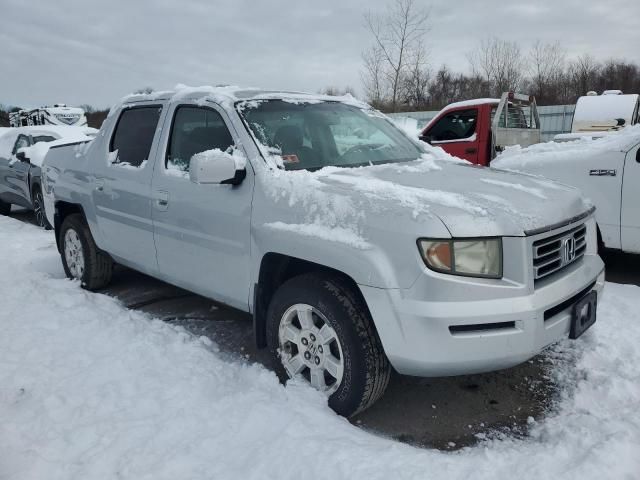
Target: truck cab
(477, 130)
(355, 247)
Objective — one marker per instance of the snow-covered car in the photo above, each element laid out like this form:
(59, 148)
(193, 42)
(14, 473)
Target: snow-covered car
(22, 150)
(604, 166)
(355, 247)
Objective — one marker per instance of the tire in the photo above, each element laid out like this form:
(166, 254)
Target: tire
(5, 208)
(365, 371)
(81, 258)
(38, 209)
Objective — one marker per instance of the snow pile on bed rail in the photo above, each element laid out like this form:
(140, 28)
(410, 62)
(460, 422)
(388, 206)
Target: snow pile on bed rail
(91, 390)
(519, 158)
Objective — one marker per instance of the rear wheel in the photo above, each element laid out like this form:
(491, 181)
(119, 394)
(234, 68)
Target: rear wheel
(38, 209)
(81, 258)
(323, 333)
(5, 208)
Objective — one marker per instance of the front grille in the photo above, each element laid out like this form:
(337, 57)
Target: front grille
(556, 252)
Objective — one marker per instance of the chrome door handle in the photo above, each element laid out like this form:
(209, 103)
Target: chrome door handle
(162, 200)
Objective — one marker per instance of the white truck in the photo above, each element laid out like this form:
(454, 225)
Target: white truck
(59, 114)
(605, 168)
(354, 247)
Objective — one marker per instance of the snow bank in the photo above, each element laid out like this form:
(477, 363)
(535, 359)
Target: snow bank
(91, 390)
(518, 158)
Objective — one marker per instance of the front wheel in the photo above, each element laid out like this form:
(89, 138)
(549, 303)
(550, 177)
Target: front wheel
(81, 258)
(323, 333)
(38, 209)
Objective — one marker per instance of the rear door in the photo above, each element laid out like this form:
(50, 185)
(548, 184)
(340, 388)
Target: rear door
(630, 212)
(122, 187)
(202, 232)
(17, 174)
(457, 133)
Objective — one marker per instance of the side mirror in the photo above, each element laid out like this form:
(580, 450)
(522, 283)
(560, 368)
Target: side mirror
(426, 138)
(22, 156)
(215, 167)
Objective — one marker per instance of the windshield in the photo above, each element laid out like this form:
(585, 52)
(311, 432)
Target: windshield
(321, 134)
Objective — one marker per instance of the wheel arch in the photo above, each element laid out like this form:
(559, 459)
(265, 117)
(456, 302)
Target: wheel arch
(62, 211)
(277, 268)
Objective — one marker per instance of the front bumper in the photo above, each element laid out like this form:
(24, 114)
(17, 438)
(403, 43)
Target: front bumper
(441, 338)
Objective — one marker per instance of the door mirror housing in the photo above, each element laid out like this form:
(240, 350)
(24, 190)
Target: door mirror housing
(22, 156)
(215, 167)
(426, 138)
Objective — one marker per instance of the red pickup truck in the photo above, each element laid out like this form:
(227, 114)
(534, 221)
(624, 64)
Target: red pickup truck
(477, 130)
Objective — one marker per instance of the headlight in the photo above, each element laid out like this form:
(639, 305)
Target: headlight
(478, 257)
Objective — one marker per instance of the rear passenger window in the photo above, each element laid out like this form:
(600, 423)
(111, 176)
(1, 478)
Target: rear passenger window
(132, 139)
(195, 130)
(21, 142)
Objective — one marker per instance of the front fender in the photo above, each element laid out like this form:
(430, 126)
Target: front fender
(366, 263)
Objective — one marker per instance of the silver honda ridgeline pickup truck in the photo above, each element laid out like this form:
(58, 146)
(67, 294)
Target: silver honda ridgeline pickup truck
(354, 247)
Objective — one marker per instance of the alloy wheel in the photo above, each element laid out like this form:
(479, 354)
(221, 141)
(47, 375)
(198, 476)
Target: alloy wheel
(74, 254)
(38, 207)
(309, 347)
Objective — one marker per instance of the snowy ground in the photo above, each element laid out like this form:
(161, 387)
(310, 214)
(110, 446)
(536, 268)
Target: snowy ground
(91, 390)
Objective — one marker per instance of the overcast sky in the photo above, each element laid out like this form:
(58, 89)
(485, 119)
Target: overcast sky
(95, 52)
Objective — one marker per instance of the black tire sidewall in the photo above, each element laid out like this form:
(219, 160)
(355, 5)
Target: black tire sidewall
(37, 192)
(338, 311)
(5, 208)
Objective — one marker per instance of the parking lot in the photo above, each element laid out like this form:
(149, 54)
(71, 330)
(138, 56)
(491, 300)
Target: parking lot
(443, 413)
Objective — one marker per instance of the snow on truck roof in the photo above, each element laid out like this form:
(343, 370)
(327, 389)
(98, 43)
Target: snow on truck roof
(472, 103)
(231, 94)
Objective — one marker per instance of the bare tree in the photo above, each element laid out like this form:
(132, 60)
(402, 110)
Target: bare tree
(582, 73)
(500, 62)
(546, 67)
(372, 77)
(415, 81)
(397, 35)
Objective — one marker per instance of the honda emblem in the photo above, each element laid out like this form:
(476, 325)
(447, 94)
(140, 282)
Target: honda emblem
(568, 250)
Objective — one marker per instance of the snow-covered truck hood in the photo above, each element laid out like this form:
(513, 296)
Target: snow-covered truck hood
(471, 201)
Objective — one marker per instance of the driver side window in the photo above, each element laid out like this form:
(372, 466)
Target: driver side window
(195, 130)
(457, 125)
(21, 142)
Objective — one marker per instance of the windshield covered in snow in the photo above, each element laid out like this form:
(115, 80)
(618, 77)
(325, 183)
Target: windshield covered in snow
(313, 135)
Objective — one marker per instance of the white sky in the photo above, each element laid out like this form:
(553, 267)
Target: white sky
(94, 52)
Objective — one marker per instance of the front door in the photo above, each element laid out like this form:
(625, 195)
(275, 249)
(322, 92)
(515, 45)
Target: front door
(456, 133)
(122, 188)
(202, 232)
(15, 174)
